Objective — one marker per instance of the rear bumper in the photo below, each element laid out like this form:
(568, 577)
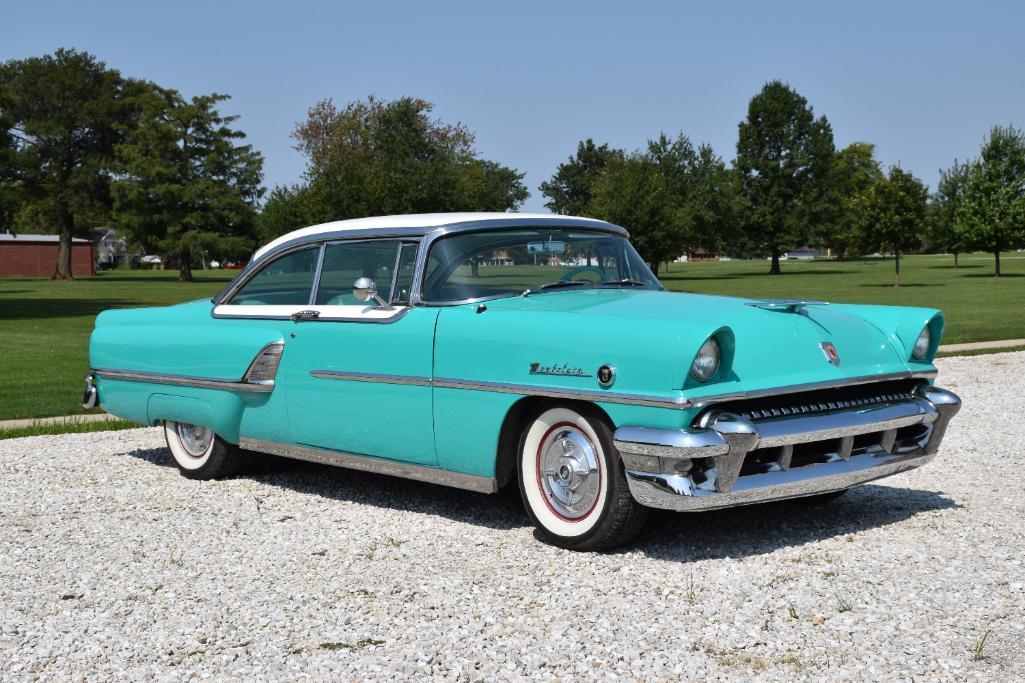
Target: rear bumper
(733, 460)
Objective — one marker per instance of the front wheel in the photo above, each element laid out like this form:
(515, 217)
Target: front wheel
(199, 453)
(572, 481)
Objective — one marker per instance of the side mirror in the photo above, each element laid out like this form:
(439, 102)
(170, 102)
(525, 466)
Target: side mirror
(364, 289)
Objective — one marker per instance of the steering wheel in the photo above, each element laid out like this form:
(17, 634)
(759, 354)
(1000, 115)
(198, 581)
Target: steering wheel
(572, 274)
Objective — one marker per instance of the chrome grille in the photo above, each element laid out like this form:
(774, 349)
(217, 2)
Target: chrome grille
(804, 408)
(823, 400)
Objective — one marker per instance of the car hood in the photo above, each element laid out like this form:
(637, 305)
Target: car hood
(772, 347)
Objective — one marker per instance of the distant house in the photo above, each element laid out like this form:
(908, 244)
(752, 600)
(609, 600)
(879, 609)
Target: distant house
(111, 249)
(806, 253)
(36, 256)
(698, 254)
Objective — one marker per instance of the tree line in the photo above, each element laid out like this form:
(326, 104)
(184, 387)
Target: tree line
(81, 145)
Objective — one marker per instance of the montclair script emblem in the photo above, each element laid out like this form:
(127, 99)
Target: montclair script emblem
(830, 352)
(565, 370)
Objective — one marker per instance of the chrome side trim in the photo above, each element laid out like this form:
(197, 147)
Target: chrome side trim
(364, 463)
(372, 377)
(182, 380)
(679, 402)
(556, 392)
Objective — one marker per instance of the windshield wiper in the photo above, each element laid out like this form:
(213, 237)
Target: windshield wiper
(558, 284)
(626, 282)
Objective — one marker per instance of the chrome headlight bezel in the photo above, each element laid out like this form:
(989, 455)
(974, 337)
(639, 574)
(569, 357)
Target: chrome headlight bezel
(920, 351)
(706, 360)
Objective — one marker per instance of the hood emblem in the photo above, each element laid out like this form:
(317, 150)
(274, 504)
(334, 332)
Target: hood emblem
(830, 352)
(564, 370)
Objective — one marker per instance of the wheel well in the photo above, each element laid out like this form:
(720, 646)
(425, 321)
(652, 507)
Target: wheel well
(516, 419)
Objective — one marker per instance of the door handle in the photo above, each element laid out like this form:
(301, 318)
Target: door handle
(300, 316)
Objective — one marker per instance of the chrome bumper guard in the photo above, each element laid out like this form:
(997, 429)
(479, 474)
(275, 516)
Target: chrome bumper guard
(663, 465)
(89, 396)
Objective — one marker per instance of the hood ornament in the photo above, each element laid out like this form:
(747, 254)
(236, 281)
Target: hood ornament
(786, 305)
(830, 352)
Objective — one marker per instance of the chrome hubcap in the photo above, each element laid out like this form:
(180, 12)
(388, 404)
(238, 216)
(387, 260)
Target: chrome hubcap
(569, 473)
(195, 439)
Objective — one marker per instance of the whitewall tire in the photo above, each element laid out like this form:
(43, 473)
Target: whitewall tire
(572, 481)
(199, 453)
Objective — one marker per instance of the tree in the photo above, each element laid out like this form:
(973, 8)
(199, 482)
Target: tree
(891, 215)
(991, 214)
(11, 189)
(855, 169)
(187, 187)
(65, 113)
(571, 189)
(715, 204)
(285, 209)
(784, 158)
(634, 193)
(943, 233)
(375, 158)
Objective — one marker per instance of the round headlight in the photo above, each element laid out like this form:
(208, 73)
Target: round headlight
(706, 362)
(922, 345)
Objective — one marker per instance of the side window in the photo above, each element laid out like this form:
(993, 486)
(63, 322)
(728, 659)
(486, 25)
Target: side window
(284, 281)
(344, 263)
(404, 277)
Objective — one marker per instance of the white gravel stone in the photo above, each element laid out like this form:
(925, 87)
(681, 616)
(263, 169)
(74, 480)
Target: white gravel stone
(114, 566)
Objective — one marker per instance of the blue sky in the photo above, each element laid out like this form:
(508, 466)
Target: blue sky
(923, 81)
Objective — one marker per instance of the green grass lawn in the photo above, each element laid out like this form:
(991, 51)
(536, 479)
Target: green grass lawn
(977, 306)
(44, 325)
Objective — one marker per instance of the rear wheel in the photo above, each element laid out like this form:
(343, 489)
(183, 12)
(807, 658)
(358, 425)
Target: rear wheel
(572, 481)
(199, 453)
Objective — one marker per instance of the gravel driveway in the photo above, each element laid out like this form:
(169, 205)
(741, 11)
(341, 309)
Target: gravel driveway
(112, 565)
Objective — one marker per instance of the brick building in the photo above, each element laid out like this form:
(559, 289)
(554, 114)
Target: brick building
(36, 256)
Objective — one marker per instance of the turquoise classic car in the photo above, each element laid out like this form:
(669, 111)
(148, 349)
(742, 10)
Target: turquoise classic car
(538, 351)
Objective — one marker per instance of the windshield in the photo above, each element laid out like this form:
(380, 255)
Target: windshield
(480, 265)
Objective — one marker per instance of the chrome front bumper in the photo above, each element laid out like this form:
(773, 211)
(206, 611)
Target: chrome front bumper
(705, 468)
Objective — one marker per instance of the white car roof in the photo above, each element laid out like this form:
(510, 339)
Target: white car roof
(424, 222)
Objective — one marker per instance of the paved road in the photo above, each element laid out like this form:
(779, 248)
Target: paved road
(112, 565)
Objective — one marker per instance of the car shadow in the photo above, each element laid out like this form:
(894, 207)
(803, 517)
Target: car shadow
(501, 511)
(680, 537)
(759, 529)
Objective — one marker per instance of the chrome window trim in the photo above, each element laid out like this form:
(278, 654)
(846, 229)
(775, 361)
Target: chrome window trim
(250, 271)
(315, 289)
(182, 380)
(400, 312)
(365, 463)
(423, 234)
(416, 295)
